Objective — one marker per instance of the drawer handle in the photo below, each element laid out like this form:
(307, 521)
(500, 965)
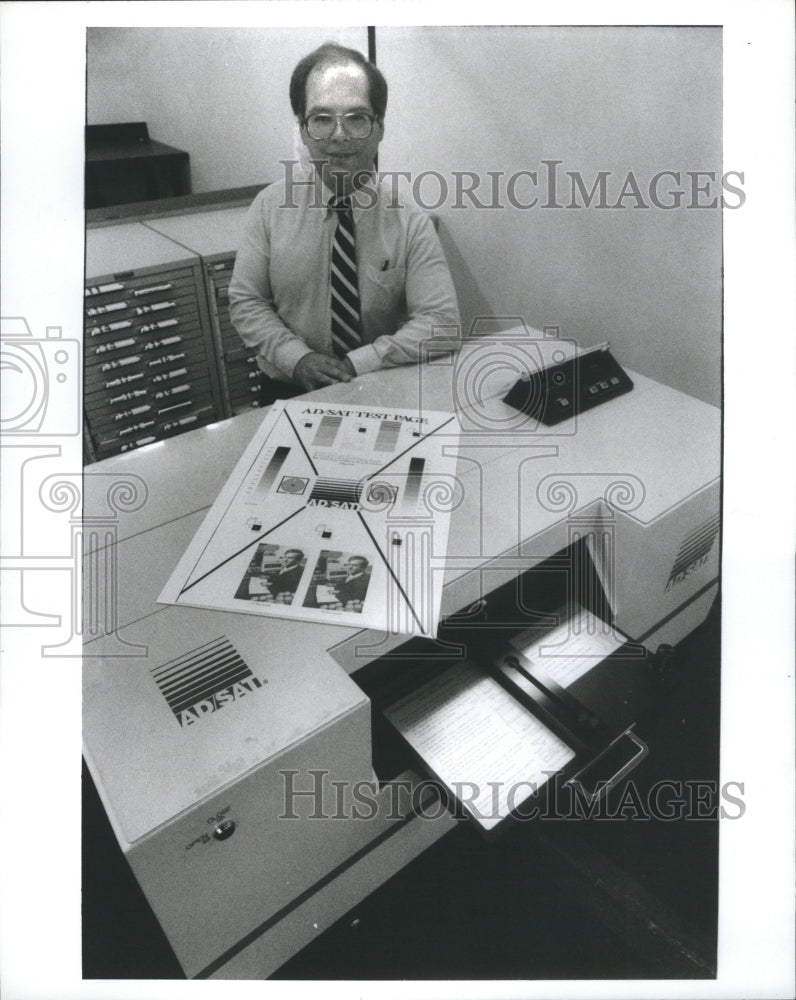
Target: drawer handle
(166, 359)
(149, 327)
(177, 406)
(165, 393)
(134, 427)
(115, 346)
(154, 344)
(155, 307)
(110, 365)
(127, 396)
(122, 324)
(172, 374)
(123, 380)
(135, 412)
(180, 423)
(113, 286)
(139, 443)
(111, 307)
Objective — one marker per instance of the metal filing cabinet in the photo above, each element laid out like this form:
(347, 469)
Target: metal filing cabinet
(215, 236)
(242, 375)
(150, 364)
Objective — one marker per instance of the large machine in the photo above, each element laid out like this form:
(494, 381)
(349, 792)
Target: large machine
(283, 797)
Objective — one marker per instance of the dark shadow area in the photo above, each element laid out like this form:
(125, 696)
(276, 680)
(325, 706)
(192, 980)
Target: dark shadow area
(625, 898)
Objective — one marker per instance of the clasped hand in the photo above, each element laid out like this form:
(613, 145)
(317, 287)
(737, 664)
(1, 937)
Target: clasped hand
(315, 370)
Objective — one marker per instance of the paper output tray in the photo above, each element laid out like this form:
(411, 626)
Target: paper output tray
(495, 730)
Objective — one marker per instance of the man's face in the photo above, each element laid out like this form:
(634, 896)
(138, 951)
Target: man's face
(356, 566)
(290, 558)
(339, 89)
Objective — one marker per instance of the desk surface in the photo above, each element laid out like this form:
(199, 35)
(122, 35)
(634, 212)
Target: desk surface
(128, 247)
(646, 438)
(669, 441)
(207, 233)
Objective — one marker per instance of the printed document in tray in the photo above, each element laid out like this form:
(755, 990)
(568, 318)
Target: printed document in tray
(479, 741)
(570, 650)
(334, 513)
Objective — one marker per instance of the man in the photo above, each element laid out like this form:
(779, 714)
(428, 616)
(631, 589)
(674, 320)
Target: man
(286, 581)
(355, 586)
(335, 277)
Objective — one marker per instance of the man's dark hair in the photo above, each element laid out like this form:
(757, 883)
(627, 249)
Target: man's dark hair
(331, 54)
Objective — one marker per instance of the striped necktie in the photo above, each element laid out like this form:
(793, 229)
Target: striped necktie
(346, 327)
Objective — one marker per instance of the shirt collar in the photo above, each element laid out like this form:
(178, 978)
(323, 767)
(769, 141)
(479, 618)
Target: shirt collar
(327, 197)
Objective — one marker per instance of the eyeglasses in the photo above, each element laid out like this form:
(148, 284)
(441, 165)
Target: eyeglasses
(356, 124)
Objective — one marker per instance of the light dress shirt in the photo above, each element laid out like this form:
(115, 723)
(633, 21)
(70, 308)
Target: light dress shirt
(279, 295)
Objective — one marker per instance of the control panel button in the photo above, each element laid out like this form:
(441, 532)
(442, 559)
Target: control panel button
(224, 830)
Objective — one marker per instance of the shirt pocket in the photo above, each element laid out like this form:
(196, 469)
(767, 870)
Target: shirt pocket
(388, 280)
(383, 299)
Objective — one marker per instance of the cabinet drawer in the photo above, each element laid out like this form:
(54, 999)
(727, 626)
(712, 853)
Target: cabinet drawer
(150, 367)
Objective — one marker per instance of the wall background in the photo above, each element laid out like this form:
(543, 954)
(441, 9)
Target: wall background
(488, 99)
(221, 94)
(616, 99)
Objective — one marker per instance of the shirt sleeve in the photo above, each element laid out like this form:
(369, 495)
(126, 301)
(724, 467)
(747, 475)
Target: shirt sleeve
(251, 303)
(432, 310)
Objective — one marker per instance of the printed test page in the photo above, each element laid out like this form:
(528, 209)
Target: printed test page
(479, 741)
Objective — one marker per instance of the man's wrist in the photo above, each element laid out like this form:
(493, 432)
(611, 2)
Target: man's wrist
(289, 355)
(364, 359)
(306, 354)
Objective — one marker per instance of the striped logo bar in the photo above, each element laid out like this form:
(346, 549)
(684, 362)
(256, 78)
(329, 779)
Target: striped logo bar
(340, 490)
(204, 680)
(694, 550)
